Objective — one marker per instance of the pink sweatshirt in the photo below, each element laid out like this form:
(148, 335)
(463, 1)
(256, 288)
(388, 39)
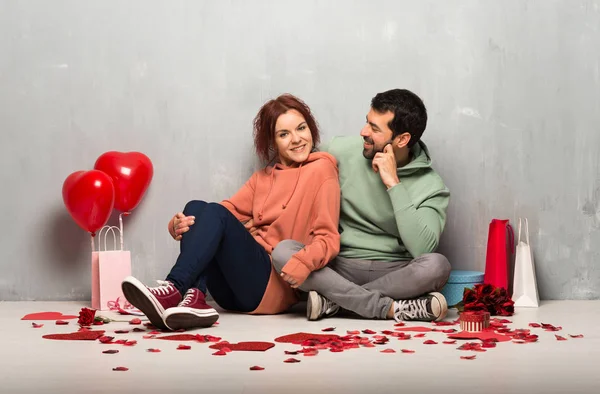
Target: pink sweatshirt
(300, 203)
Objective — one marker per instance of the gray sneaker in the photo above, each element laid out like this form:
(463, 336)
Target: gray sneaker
(318, 306)
(430, 307)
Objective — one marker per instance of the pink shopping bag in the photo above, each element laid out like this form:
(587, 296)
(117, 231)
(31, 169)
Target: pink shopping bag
(109, 268)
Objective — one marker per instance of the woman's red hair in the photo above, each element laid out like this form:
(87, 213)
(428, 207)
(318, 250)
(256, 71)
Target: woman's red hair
(265, 120)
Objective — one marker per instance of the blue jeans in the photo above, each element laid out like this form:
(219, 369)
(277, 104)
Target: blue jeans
(220, 255)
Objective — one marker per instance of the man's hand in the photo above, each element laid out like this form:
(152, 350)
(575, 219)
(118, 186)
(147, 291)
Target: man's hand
(180, 224)
(384, 163)
(291, 281)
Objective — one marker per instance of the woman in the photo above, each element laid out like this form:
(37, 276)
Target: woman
(226, 247)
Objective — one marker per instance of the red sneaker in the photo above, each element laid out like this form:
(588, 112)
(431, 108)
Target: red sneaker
(192, 312)
(153, 301)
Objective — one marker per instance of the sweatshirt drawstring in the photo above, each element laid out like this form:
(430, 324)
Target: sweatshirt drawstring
(272, 179)
(272, 176)
(294, 189)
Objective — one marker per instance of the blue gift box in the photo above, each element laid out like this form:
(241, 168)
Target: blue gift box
(459, 279)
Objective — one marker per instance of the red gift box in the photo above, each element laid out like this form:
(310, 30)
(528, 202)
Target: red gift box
(474, 321)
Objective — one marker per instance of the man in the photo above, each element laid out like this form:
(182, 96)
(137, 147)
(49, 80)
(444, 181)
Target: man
(393, 211)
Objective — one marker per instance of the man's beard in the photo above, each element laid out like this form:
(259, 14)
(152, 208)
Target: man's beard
(371, 152)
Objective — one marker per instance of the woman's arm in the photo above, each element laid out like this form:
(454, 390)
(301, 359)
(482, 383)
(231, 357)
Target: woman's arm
(325, 244)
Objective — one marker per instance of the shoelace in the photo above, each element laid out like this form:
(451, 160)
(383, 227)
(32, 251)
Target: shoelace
(411, 309)
(328, 306)
(163, 288)
(189, 296)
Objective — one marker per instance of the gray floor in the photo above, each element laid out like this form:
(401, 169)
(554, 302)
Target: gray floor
(31, 364)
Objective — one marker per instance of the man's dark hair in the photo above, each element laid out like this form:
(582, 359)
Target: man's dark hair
(410, 114)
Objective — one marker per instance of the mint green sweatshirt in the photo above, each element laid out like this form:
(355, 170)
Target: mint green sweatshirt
(401, 223)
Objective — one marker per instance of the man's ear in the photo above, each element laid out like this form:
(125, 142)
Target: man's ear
(402, 140)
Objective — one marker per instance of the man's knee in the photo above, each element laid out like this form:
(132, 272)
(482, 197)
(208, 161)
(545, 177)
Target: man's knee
(439, 267)
(283, 252)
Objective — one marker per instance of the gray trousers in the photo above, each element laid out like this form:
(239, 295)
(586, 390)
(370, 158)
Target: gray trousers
(369, 287)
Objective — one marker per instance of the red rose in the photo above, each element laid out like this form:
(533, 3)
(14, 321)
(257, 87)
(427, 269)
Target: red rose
(483, 290)
(475, 306)
(86, 317)
(469, 296)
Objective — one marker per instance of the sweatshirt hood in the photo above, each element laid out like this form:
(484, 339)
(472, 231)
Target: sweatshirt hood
(278, 167)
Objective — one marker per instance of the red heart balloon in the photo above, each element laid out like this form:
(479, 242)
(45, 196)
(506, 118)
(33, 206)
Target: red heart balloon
(131, 173)
(89, 197)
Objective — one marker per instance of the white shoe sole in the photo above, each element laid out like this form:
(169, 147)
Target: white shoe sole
(313, 306)
(182, 317)
(139, 296)
(441, 308)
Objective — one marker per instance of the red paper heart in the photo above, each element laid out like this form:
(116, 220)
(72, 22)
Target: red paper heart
(244, 346)
(483, 335)
(48, 316)
(179, 337)
(415, 329)
(303, 336)
(131, 173)
(88, 335)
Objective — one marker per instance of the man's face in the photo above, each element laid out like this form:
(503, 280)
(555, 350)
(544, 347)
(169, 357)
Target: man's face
(376, 133)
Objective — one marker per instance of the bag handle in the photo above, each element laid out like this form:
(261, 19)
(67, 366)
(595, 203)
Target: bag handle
(511, 237)
(111, 229)
(526, 231)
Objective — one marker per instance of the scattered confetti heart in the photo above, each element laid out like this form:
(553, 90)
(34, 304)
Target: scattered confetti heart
(151, 350)
(130, 343)
(419, 335)
(367, 331)
(388, 351)
(415, 329)
(87, 335)
(111, 351)
(355, 332)
(576, 336)
(400, 324)
(61, 322)
(328, 329)
(120, 369)
(468, 357)
(105, 339)
(407, 351)
(290, 352)
(121, 331)
(256, 368)
(291, 360)
(559, 338)
(451, 342)
(48, 316)
(535, 325)
(244, 346)
(135, 320)
(35, 325)
(137, 329)
(184, 347)
(220, 353)
(430, 342)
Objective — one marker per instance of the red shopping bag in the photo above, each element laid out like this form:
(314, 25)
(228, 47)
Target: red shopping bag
(500, 249)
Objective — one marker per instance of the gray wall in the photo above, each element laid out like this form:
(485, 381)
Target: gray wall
(512, 89)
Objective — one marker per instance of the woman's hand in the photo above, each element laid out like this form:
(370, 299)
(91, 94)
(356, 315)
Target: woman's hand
(249, 225)
(179, 225)
(291, 281)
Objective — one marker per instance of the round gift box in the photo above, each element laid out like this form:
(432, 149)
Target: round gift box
(474, 321)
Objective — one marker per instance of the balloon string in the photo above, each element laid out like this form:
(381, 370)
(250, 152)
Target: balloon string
(93, 246)
(121, 225)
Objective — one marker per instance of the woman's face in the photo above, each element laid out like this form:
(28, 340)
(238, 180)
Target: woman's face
(293, 140)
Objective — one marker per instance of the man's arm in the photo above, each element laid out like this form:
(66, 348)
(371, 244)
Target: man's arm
(420, 226)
